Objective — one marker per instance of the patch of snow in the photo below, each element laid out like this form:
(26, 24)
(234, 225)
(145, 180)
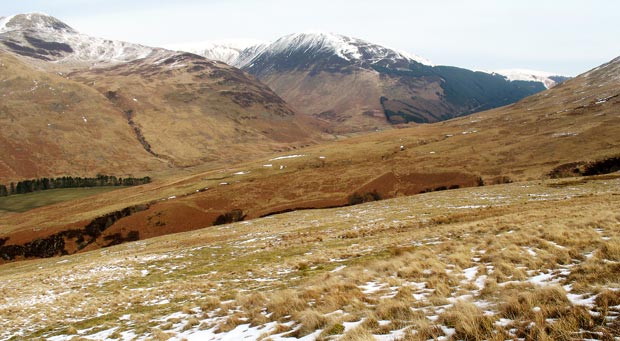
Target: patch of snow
(556, 244)
(470, 273)
(580, 300)
(371, 287)
(339, 268)
(542, 279)
(227, 51)
(564, 134)
(529, 76)
(287, 157)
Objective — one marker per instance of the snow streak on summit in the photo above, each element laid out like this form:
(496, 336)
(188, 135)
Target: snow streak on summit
(241, 54)
(43, 37)
(227, 51)
(347, 48)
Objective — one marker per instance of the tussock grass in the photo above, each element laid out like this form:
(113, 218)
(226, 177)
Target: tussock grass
(160, 335)
(284, 303)
(359, 333)
(230, 323)
(468, 320)
(609, 250)
(395, 310)
(311, 320)
(548, 301)
(209, 303)
(393, 276)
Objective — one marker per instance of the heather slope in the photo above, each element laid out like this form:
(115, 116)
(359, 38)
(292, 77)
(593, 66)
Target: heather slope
(54, 126)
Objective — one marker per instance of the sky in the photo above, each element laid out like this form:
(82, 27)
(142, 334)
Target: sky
(566, 37)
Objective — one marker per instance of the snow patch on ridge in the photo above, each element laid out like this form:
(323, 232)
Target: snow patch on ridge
(227, 51)
(528, 75)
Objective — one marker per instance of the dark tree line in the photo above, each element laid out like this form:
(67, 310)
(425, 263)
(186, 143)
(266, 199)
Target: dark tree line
(42, 184)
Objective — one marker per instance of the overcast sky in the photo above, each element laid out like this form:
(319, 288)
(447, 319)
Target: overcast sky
(563, 36)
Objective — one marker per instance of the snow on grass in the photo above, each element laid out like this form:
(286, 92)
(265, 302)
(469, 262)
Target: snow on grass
(372, 287)
(287, 157)
(209, 276)
(582, 299)
(338, 268)
(102, 335)
(470, 273)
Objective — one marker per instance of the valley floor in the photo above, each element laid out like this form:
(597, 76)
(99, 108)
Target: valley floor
(532, 260)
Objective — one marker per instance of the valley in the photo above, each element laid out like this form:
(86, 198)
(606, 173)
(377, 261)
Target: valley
(317, 187)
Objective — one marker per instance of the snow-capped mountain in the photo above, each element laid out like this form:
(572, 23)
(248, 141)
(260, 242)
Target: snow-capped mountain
(44, 37)
(301, 49)
(357, 85)
(241, 53)
(547, 78)
(227, 51)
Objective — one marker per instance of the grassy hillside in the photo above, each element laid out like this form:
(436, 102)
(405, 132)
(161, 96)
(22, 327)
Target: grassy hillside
(534, 260)
(53, 126)
(560, 129)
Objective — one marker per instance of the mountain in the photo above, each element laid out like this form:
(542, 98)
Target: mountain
(45, 38)
(355, 85)
(78, 105)
(228, 51)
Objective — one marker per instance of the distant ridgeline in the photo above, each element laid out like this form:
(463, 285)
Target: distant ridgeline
(42, 184)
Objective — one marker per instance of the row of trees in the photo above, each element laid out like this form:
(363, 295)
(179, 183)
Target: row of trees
(42, 184)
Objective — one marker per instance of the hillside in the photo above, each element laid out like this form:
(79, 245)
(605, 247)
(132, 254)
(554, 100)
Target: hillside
(554, 133)
(190, 110)
(530, 260)
(54, 126)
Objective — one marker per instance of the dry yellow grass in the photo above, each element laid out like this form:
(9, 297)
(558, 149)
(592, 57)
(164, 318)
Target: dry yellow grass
(521, 268)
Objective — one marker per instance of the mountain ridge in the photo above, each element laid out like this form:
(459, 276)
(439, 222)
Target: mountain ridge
(45, 38)
(358, 86)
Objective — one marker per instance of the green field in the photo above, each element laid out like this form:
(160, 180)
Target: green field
(28, 201)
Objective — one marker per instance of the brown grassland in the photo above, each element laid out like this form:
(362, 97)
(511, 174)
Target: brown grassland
(529, 260)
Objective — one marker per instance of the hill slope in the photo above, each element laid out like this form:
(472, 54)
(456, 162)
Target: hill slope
(552, 133)
(528, 260)
(53, 126)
